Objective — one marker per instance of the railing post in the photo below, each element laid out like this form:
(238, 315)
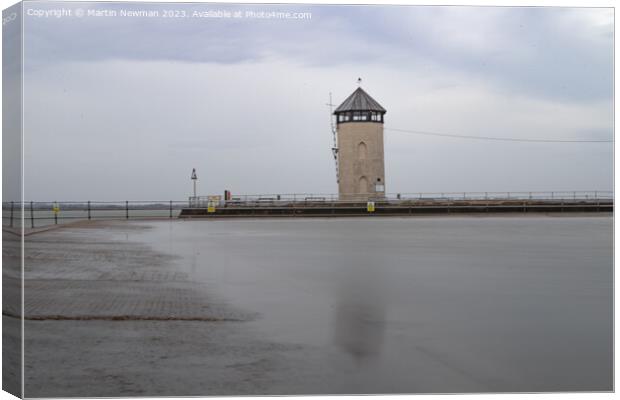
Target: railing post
(126, 209)
(12, 207)
(88, 207)
(31, 214)
(596, 194)
(170, 209)
(574, 196)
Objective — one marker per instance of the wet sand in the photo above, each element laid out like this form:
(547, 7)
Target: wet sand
(388, 305)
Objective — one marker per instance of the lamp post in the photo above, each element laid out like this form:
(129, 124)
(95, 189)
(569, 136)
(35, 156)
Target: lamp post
(194, 178)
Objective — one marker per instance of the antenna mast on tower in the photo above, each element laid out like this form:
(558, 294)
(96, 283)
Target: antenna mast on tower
(333, 127)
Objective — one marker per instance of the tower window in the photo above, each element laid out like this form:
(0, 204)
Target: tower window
(343, 117)
(362, 151)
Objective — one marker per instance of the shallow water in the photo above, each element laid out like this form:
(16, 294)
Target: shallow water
(414, 305)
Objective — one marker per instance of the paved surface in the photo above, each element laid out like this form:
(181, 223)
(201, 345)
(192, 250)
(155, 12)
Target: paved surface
(107, 316)
(92, 271)
(11, 303)
(150, 358)
(118, 300)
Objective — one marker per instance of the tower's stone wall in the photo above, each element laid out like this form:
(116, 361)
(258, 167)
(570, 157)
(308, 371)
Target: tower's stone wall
(360, 158)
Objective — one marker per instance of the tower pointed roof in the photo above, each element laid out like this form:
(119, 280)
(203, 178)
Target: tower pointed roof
(359, 100)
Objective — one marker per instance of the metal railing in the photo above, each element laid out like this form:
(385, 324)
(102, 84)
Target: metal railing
(38, 214)
(202, 201)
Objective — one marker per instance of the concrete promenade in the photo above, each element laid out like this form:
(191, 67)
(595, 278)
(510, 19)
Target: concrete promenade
(395, 208)
(73, 278)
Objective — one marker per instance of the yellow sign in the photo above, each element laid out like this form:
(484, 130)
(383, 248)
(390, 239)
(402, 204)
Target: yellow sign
(211, 207)
(56, 208)
(370, 206)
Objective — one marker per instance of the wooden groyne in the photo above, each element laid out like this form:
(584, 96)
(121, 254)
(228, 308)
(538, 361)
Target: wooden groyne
(396, 208)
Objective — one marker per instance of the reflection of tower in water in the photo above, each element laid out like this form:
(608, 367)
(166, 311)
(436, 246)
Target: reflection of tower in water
(360, 312)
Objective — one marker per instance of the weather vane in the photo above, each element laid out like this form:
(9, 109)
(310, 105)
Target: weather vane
(359, 81)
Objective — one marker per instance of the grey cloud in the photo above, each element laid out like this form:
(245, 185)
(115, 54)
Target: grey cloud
(538, 55)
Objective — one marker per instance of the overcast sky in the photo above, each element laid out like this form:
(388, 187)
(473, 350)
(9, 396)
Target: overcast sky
(123, 108)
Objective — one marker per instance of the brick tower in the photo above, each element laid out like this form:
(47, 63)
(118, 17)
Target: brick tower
(359, 124)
